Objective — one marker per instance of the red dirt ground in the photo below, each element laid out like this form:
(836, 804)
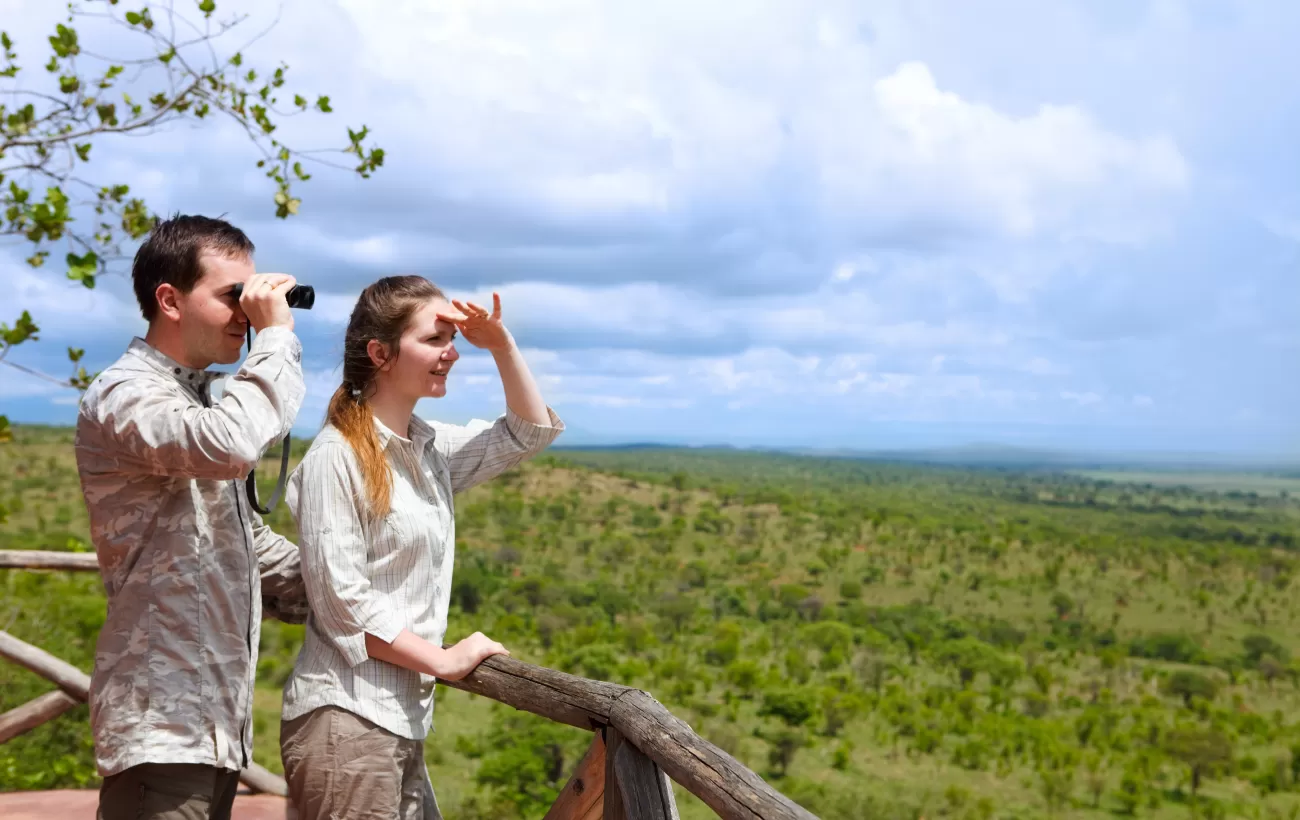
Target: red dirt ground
(77, 804)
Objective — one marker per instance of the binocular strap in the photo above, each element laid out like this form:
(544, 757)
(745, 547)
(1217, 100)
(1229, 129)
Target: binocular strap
(250, 483)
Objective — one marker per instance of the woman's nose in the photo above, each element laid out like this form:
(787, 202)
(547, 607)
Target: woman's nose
(451, 354)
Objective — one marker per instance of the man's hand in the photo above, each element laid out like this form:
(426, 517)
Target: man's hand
(264, 300)
(464, 657)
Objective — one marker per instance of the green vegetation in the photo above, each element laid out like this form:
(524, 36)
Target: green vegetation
(877, 640)
(1236, 485)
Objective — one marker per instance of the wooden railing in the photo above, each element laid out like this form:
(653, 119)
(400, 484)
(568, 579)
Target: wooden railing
(637, 747)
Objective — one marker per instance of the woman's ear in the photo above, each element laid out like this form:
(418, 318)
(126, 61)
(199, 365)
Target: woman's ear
(378, 353)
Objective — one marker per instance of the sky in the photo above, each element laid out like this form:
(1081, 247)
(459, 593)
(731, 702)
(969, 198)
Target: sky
(1071, 225)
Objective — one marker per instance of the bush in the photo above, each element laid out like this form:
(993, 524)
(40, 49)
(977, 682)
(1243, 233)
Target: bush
(1257, 646)
(793, 705)
(828, 636)
(1172, 646)
(1186, 684)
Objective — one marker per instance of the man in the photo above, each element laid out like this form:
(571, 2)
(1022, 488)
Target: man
(181, 552)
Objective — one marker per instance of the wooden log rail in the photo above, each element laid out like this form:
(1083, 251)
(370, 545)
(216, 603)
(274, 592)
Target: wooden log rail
(637, 747)
(38, 559)
(74, 686)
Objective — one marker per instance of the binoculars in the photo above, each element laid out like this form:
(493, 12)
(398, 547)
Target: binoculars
(299, 296)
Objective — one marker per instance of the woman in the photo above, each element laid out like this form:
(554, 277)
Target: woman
(373, 502)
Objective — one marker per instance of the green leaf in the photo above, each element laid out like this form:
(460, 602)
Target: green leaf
(299, 100)
(207, 7)
(83, 268)
(323, 105)
(69, 85)
(237, 60)
(8, 44)
(167, 56)
(134, 18)
(64, 41)
(81, 379)
(83, 151)
(6, 435)
(286, 205)
(22, 330)
(75, 354)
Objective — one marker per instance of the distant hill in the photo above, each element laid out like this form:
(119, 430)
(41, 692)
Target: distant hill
(979, 455)
(991, 455)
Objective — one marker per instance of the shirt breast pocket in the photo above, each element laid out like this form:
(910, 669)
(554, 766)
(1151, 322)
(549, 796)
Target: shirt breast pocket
(402, 541)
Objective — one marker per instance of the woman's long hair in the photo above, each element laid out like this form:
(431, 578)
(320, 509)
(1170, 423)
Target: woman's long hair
(383, 311)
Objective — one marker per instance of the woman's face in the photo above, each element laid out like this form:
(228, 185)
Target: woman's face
(425, 354)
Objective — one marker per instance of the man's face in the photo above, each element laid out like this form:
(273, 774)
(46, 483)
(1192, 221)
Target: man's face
(212, 325)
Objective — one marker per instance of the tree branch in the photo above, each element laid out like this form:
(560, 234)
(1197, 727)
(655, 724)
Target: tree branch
(108, 129)
(29, 371)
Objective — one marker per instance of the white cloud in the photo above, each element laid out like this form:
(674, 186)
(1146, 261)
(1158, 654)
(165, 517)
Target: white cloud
(1087, 398)
(1040, 366)
(1032, 172)
(597, 113)
(62, 308)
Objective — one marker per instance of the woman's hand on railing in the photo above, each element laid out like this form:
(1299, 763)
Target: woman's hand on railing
(456, 662)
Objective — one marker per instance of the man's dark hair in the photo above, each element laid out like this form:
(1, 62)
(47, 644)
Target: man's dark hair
(172, 251)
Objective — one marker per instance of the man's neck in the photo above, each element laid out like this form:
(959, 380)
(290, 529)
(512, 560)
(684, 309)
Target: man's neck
(169, 344)
(394, 411)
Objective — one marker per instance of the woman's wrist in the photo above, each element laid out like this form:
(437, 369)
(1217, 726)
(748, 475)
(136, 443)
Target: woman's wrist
(436, 661)
(507, 347)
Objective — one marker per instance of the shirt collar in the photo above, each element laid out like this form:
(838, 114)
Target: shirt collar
(419, 431)
(163, 363)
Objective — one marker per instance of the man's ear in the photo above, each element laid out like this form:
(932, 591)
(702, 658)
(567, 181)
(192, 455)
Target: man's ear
(378, 353)
(168, 298)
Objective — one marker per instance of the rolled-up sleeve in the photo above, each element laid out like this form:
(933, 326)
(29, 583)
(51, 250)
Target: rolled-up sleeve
(325, 495)
(480, 451)
(141, 429)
